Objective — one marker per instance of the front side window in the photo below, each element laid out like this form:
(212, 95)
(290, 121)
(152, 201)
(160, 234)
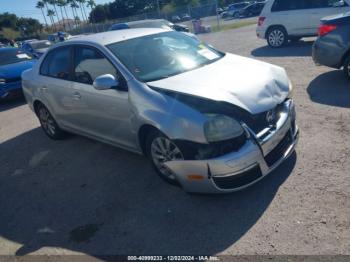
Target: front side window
(89, 64)
(158, 56)
(57, 63)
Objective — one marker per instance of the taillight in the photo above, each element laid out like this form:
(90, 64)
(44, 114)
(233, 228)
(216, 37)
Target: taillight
(261, 20)
(326, 29)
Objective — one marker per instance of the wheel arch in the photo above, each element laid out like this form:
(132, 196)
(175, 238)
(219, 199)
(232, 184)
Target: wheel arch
(143, 132)
(345, 56)
(36, 105)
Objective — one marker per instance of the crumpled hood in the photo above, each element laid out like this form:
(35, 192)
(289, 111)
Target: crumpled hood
(15, 69)
(250, 84)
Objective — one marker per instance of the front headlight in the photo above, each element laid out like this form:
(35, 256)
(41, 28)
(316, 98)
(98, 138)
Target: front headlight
(221, 128)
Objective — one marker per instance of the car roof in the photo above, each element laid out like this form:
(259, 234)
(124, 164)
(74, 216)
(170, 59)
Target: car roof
(110, 37)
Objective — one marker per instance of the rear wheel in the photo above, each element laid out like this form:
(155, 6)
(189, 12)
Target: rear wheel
(49, 124)
(277, 37)
(161, 149)
(346, 68)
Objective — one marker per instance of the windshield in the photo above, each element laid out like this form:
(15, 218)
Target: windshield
(159, 56)
(40, 45)
(12, 56)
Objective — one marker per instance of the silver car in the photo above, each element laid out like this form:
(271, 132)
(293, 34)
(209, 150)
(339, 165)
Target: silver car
(209, 121)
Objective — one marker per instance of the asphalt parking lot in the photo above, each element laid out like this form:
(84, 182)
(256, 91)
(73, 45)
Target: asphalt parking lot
(78, 195)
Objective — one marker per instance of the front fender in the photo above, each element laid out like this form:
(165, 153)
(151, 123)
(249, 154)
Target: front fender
(172, 117)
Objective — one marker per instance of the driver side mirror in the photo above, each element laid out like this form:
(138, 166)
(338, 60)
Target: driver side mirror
(105, 82)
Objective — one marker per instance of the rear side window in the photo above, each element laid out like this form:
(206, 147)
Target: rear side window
(286, 5)
(57, 63)
(320, 3)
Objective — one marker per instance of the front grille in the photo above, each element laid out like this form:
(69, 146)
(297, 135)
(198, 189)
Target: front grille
(278, 152)
(12, 80)
(239, 180)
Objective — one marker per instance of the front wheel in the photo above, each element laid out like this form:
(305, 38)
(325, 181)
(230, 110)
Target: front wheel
(277, 37)
(346, 68)
(161, 149)
(49, 124)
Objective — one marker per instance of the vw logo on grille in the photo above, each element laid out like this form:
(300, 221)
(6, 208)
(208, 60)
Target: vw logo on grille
(271, 117)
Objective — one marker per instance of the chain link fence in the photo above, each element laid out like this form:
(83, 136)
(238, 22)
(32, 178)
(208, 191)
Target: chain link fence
(183, 15)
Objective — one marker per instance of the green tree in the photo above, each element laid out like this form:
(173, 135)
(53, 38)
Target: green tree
(8, 20)
(9, 33)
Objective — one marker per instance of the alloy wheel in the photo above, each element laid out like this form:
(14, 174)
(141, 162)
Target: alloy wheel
(164, 150)
(276, 38)
(47, 121)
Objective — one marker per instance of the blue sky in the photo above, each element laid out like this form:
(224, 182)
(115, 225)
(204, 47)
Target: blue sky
(26, 8)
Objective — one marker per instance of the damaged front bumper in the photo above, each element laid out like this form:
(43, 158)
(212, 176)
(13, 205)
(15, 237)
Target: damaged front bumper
(259, 156)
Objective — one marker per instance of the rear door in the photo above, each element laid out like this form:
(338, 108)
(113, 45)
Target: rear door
(55, 84)
(292, 14)
(323, 8)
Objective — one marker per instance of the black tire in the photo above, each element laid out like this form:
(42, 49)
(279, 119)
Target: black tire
(152, 139)
(49, 124)
(277, 37)
(236, 15)
(346, 67)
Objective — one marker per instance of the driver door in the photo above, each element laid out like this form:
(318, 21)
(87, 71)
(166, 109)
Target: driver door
(104, 114)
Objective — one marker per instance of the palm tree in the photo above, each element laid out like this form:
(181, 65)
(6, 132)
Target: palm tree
(82, 9)
(65, 10)
(40, 5)
(60, 4)
(53, 3)
(51, 14)
(74, 7)
(92, 5)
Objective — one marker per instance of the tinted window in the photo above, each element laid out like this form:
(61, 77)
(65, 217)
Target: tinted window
(285, 5)
(57, 63)
(89, 64)
(320, 3)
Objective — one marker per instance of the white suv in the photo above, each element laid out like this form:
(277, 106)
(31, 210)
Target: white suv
(283, 20)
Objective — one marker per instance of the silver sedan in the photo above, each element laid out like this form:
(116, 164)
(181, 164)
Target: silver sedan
(209, 121)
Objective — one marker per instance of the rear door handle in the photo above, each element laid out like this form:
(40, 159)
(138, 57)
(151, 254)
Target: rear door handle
(77, 96)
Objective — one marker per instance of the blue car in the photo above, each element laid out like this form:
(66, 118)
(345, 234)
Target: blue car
(12, 63)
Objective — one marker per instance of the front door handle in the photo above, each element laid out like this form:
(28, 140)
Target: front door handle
(77, 96)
